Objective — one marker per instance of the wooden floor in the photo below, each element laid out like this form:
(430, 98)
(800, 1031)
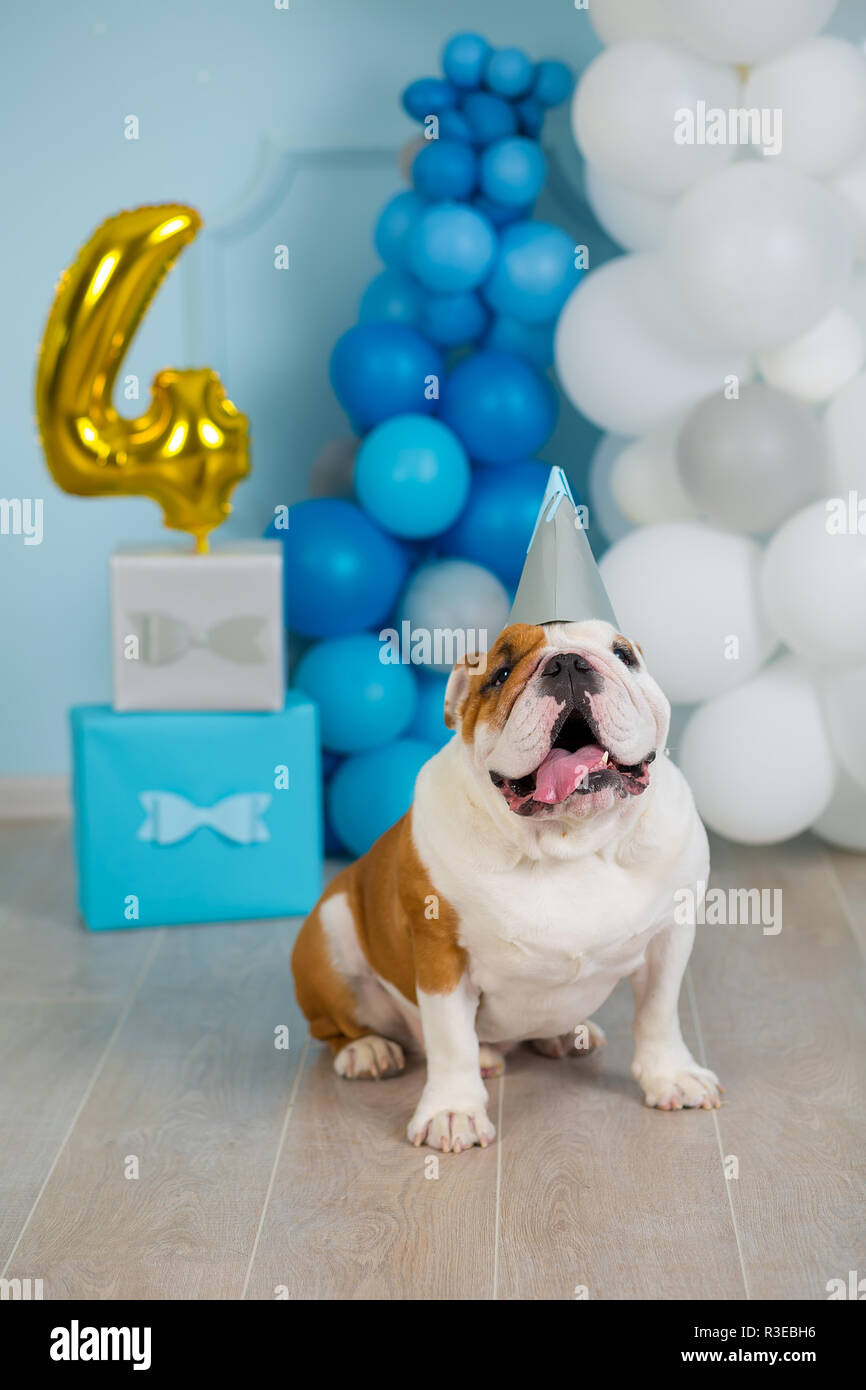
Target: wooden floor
(260, 1174)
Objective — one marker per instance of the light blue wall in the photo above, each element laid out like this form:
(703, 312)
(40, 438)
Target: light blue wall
(280, 127)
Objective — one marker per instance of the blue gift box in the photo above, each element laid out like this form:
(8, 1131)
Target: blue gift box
(196, 817)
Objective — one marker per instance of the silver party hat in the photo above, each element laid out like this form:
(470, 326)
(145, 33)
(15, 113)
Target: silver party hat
(560, 580)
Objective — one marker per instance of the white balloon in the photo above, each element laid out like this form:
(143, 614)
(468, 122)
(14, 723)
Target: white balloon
(820, 90)
(624, 110)
(637, 221)
(455, 596)
(745, 31)
(645, 480)
(845, 423)
(688, 593)
(813, 585)
(603, 510)
(843, 823)
(626, 352)
(615, 20)
(849, 186)
(760, 253)
(843, 693)
(758, 759)
(680, 716)
(817, 364)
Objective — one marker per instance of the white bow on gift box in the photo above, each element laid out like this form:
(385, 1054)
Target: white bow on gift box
(170, 817)
(165, 639)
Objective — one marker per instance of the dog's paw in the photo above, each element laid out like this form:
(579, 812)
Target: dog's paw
(451, 1131)
(679, 1085)
(586, 1038)
(370, 1058)
(491, 1062)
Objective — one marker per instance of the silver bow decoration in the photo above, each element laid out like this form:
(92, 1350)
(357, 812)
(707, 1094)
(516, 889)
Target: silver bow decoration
(170, 817)
(165, 639)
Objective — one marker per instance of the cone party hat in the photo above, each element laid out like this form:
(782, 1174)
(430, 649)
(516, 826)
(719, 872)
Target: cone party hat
(560, 580)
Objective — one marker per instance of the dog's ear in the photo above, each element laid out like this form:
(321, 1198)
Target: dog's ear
(457, 690)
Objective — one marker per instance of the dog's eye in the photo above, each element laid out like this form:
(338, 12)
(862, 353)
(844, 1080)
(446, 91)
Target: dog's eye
(625, 654)
(499, 677)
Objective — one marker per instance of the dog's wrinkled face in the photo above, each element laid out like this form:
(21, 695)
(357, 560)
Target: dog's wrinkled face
(564, 719)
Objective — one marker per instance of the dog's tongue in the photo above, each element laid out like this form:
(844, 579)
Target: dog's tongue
(561, 772)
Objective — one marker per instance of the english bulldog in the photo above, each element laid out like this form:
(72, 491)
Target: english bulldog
(537, 866)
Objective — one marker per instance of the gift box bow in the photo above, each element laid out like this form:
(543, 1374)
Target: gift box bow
(170, 817)
(165, 639)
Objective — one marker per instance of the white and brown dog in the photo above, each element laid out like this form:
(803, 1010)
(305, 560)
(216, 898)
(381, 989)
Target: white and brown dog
(537, 867)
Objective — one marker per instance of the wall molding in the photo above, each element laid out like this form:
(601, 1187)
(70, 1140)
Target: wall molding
(34, 798)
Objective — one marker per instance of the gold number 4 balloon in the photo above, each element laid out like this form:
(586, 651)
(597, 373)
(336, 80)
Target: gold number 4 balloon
(191, 447)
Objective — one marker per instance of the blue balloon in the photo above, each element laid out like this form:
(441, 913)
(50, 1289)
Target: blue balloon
(362, 701)
(445, 169)
(331, 842)
(533, 341)
(412, 476)
(428, 96)
(513, 171)
(489, 117)
(464, 59)
(429, 721)
(371, 791)
(534, 272)
(395, 226)
(450, 319)
(392, 298)
(499, 406)
(531, 116)
(553, 83)
(330, 763)
(509, 73)
(381, 369)
(452, 248)
(340, 571)
(496, 524)
(498, 214)
(453, 125)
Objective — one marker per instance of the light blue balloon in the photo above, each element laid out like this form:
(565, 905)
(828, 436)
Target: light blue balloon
(392, 298)
(509, 73)
(396, 223)
(451, 319)
(412, 476)
(489, 117)
(445, 169)
(531, 341)
(464, 58)
(513, 171)
(371, 791)
(534, 272)
(553, 83)
(451, 248)
(429, 721)
(362, 701)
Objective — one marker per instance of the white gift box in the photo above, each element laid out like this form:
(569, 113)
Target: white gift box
(198, 632)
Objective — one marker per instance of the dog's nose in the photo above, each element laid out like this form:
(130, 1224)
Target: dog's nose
(566, 662)
(569, 676)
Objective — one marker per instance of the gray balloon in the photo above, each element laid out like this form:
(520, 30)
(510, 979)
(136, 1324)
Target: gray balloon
(751, 462)
(333, 471)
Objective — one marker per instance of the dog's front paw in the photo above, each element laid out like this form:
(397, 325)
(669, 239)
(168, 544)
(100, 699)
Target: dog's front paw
(451, 1131)
(677, 1083)
(370, 1058)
